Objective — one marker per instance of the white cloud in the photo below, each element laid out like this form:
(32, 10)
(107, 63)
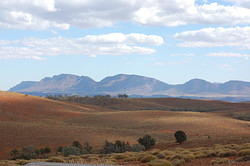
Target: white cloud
(44, 14)
(216, 37)
(243, 3)
(228, 54)
(92, 45)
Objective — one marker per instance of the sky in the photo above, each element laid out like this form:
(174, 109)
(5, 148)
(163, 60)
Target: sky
(170, 40)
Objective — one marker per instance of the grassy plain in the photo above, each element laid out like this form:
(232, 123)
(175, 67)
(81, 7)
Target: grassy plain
(28, 120)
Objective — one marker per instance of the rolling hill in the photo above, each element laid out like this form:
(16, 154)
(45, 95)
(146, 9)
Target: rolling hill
(28, 120)
(134, 85)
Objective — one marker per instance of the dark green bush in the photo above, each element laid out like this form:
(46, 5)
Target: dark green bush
(180, 136)
(147, 141)
(87, 149)
(71, 150)
(28, 153)
(137, 148)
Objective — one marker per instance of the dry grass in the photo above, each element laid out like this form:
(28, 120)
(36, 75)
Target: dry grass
(27, 120)
(174, 157)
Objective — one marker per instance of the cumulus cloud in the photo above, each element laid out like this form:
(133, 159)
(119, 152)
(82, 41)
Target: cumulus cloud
(91, 45)
(216, 37)
(179, 12)
(243, 3)
(43, 14)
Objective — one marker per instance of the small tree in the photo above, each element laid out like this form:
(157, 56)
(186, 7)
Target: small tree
(180, 136)
(47, 150)
(108, 147)
(71, 150)
(59, 149)
(147, 141)
(87, 149)
(119, 146)
(28, 153)
(14, 154)
(77, 144)
(122, 96)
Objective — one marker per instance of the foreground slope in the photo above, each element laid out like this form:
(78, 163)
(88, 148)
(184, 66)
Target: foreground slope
(27, 120)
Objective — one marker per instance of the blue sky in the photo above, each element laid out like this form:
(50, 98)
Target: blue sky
(171, 40)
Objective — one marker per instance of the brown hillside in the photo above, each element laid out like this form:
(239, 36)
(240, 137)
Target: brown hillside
(27, 120)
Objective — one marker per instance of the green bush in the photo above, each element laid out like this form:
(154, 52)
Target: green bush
(87, 149)
(137, 148)
(28, 153)
(147, 141)
(71, 150)
(77, 144)
(14, 154)
(180, 136)
(119, 147)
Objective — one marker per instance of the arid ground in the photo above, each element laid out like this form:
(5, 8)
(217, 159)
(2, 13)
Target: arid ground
(26, 120)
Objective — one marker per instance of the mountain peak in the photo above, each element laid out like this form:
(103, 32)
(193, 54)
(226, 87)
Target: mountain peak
(130, 84)
(197, 80)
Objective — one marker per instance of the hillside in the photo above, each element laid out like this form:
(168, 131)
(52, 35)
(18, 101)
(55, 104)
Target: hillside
(134, 85)
(27, 120)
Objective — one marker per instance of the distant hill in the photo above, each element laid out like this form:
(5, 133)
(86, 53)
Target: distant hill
(134, 85)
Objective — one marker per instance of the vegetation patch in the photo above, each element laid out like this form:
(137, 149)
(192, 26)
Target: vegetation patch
(159, 162)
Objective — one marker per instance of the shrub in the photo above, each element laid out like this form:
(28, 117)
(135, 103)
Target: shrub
(147, 141)
(117, 147)
(14, 154)
(180, 136)
(147, 158)
(108, 147)
(56, 160)
(155, 151)
(22, 162)
(28, 153)
(59, 149)
(178, 162)
(159, 162)
(120, 156)
(244, 152)
(77, 144)
(43, 151)
(220, 161)
(87, 149)
(137, 148)
(227, 153)
(130, 159)
(188, 157)
(243, 159)
(160, 156)
(71, 150)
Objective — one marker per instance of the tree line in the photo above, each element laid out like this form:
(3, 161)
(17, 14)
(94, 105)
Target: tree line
(76, 148)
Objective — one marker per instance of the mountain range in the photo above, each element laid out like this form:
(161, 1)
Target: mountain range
(133, 85)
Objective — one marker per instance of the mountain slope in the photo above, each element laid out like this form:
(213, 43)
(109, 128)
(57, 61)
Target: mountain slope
(131, 84)
(64, 83)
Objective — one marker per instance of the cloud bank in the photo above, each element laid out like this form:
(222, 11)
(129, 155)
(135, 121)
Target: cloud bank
(63, 14)
(91, 45)
(216, 37)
